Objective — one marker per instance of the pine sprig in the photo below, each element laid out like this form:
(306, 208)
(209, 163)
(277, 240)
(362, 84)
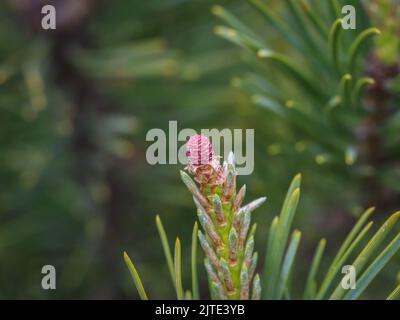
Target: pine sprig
(227, 241)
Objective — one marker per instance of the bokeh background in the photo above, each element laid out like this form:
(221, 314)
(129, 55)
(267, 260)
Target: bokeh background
(76, 104)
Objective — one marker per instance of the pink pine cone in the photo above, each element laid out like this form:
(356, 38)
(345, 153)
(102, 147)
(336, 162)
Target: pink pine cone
(203, 165)
(199, 150)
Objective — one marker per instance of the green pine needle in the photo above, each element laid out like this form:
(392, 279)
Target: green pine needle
(178, 269)
(288, 263)
(357, 45)
(345, 90)
(360, 85)
(166, 248)
(135, 277)
(195, 285)
(275, 256)
(311, 284)
(334, 43)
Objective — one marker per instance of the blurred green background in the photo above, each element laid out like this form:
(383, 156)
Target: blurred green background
(76, 104)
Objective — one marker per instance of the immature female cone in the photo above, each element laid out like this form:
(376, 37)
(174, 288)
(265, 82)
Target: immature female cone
(230, 261)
